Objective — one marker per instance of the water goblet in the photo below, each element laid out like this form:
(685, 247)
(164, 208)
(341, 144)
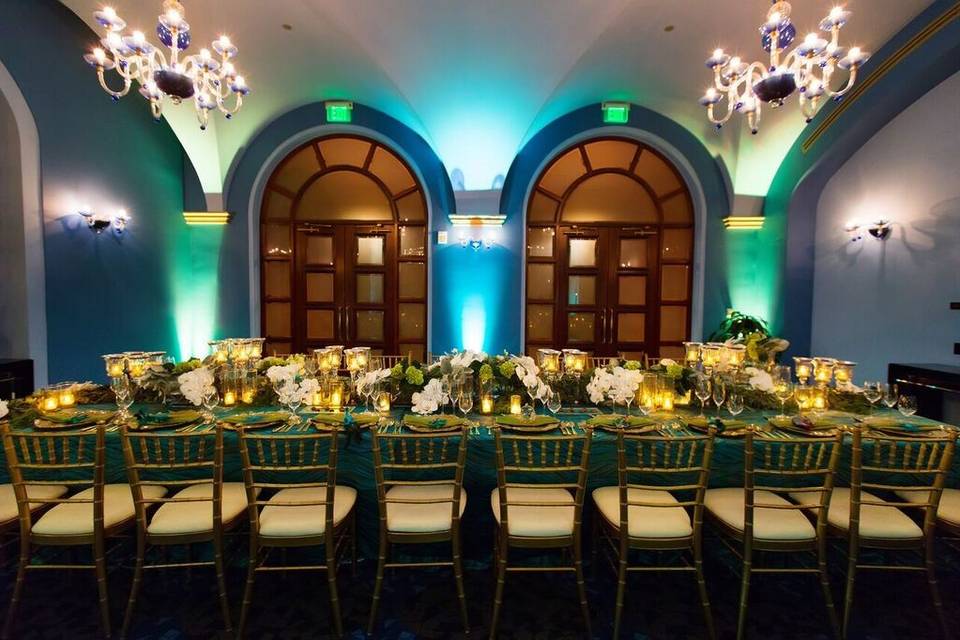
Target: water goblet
(465, 402)
(891, 395)
(446, 388)
(735, 402)
(701, 387)
(872, 391)
(907, 405)
(211, 400)
(783, 389)
(719, 392)
(554, 402)
(123, 390)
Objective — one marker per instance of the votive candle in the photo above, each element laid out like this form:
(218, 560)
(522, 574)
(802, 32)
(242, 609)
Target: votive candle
(229, 398)
(383, 402)
(516, 405)
(67, 397)
(336, 398)
(667, 402)
(486, 403)
(247, 396)
(51, 402)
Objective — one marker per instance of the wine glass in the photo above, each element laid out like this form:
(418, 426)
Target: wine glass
(701, 387)
(446, 388)
(783, 389)
(891, 395)
(872, 391)
(211, 399)
(123, 390)
(293, 401)
(907, 405)
(465, 402)
(719, 393)
(554, 402)
(735, 402)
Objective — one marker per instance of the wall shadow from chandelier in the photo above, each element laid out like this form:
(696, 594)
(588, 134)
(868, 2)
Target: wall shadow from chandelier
(790, 207)
(239, 289)
(102, 294)
(705, 176)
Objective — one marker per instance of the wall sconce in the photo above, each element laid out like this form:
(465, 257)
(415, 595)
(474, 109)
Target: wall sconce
(97, 222)
(879, 229)
(475, 241)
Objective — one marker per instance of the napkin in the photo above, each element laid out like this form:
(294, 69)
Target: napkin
(721, 425)
(616, 421)
(520, 421)
(434, 422)
(65, 417)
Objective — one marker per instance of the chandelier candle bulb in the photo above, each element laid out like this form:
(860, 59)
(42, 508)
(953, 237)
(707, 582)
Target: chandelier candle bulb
(516, 405)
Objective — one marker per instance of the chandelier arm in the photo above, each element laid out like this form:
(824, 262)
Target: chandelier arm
(221, 104)
(846, 88)
(103, 84)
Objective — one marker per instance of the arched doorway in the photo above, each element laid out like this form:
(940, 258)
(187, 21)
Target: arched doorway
(610, 246)
(343, 250)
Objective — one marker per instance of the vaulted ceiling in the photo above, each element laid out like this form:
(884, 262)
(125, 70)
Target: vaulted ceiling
(477, 79)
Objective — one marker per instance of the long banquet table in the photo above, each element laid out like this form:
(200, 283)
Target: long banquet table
(355, 468)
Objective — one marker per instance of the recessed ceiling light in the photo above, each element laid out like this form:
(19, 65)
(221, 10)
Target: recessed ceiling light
(668, 28)
(287, 27)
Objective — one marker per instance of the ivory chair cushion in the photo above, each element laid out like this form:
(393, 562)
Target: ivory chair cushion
(422, 518)
(38, 492)
(184, 518)
(645, 522)
(277, 521)
(534, 521)
(875, 521)
(948, 511)
(67, 519)
(768, 524)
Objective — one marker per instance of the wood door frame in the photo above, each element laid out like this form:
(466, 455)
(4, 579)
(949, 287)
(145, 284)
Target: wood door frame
(652, 337)
(392, 258)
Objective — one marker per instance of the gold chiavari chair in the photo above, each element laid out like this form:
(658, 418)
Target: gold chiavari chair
(89, 517)
(306, 507)
(202, 508)
(881, 463)
(649, 512)
(421, 498)
(760, 518)
(598, 362)
(538, 504)
(390, 361)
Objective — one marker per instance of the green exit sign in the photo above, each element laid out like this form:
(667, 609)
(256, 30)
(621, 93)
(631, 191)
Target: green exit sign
(616, 112)
(339, 111)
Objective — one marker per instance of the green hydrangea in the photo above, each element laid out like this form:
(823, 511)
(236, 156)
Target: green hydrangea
(414, 376)
(486, 373)
(507, 369)
(397, 372)
(632, 365)
(674, 370)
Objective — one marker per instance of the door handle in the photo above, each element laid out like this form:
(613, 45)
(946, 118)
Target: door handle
(603, 326)
(339, 330)
(610, 324)
(346, 318)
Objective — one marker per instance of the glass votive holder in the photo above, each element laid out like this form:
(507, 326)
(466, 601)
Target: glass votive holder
(115, 364)
(335, 400)
(317, 398)
(136, 363)
(383, 402)
(692, 353)
(843, 373)
(710, 355)
(803, 368)
(736, 355)
(818, 399)
(67, 394)
(803, 395)
(50, 399)
(220, 350)
(549, 360)
(516, 405)
(486, 404)
(823, 370)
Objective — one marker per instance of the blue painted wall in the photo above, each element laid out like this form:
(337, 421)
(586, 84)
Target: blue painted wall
(791, 202)
(104, 293)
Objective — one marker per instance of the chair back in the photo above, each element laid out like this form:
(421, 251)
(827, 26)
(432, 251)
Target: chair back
(274, 462)
(542, 462)
(790, 466)
(74, 459)
(422, 460)
(918, 465)
(598, 362)
(174, 460)
(678, 464)
(389, 362)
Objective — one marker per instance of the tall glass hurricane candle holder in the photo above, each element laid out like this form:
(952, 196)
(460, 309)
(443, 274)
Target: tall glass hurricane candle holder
(115, 364)
(823, 371)
(549, 361)
(691, 354)
(843, 373)
(803, 368)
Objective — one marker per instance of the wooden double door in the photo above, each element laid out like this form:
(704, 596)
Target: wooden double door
(603, 287)
(345, 287)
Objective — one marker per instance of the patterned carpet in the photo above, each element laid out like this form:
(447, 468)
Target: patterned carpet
(422, 603)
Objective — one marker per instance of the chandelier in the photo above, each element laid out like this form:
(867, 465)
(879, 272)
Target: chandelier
(208, 79)
(808, 69)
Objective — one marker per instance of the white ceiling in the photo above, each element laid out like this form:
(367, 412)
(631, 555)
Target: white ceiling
(477, 79)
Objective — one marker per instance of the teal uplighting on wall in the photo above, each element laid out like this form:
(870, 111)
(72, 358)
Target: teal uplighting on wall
(194, 286)
(753, 268)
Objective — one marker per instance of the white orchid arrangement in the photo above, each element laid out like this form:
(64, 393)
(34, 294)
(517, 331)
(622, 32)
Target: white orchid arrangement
(290, 385)
(527, 371)
(370, 379)
(759, 380)
(616, 384)
(4, 409)
(430, 399)
(197, 384)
